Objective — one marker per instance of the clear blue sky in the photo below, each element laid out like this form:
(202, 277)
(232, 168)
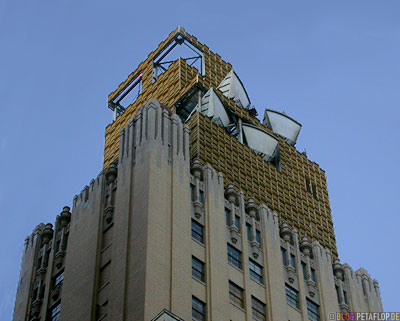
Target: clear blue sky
(332, 65)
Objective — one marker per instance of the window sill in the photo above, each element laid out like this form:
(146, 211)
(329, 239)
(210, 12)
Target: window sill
(201, 282)
(238, 307)
(198, 242)
(240, 270)
(297, 309)
(261, 284)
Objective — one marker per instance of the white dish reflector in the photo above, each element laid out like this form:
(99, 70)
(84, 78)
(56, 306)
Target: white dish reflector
(260, 140)
(233, 88)
(283, 125)
(212, 107)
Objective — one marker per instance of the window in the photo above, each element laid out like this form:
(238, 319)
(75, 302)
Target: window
(192, 192)
(248, 228)
(292, 260)
(59, 279)
(258, 236)
(292, 297)
(234, 256)
(314, 191)
(346, 300)
(55, 313)
(201, 197)
(197, 231)
(237, 221)
(198, 310)
(308, 186)
(304, 270)
(256, 271)
(227, 217)
(312, 311)
(197, 269)
(284, 259)
(257, 309)
(312, 274)
(236, 295)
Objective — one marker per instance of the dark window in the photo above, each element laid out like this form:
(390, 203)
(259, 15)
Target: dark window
(284, 258)
(197, 269)
(197, 231)
(234, 257)
(237, 221)
(312, 311)
(312, 274)
(201, 197)
(258, 236)
(257, 309)
(227, 217)
(292, 260)
(337, 293)
(314, 191)
(39, 263)
(248, 228)
(55, 313)
(192, 192)
(236, 294)
(58, 279)
(304, 266)
(256, 271)
(346, 300)
(198, 310)
(292, 297)
(308, 185)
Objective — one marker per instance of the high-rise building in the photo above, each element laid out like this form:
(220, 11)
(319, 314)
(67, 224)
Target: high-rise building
(201, 212)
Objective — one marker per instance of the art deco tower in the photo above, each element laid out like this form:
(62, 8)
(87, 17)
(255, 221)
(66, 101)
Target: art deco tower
(201, 212)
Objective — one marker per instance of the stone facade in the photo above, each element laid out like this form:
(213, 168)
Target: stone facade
(159, 231)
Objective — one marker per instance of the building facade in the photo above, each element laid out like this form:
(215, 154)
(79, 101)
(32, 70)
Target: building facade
(201, 212)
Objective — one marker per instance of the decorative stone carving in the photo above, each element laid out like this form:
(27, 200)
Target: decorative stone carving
(197, 169)
(231, 194)
(234, 234)
(109, 214)
(285, 232)
(251, 207)
(65, 216)
(256, 249)
(338, 269)
(305, 246)
(111, 173)
(47, 233)
(59, 258)
(198, 209)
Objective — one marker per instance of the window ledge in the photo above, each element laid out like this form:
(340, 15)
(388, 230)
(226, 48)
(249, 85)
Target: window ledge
(297, 309)
(201, 282)
(198, 242)
(261, 284)
(238, 307)
(240, 270)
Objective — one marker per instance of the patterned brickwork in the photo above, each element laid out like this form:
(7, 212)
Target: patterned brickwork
(284, 191)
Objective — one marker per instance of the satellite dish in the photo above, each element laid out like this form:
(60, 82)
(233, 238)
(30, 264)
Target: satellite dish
(282, 125)
(233, 88)
(260, 140)
(212, 107)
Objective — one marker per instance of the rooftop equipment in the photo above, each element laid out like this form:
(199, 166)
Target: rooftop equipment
(282, 125)
(260, 141)
(211, 106)
(233, 88)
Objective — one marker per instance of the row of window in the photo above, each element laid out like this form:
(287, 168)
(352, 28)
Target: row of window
(234, 257)
(237, 224)
(236, 296)
(292, 298)
(293, 264)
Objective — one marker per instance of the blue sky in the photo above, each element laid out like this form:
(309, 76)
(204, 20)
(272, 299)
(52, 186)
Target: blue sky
(333, 66)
